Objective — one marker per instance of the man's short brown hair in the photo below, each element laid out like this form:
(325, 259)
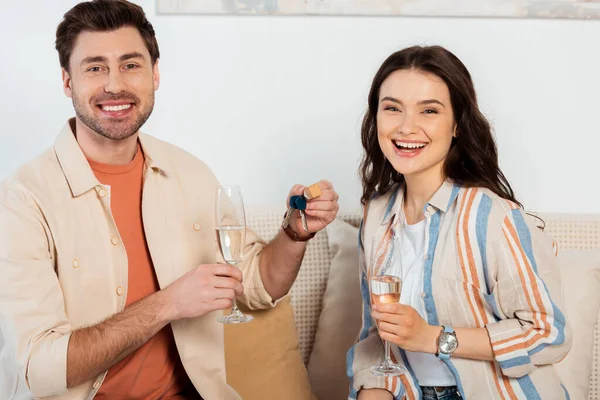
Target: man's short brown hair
(99, 16)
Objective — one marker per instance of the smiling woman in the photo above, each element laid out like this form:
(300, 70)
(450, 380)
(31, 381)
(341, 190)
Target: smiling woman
(425, 96)
(417, 122)
(480, 285)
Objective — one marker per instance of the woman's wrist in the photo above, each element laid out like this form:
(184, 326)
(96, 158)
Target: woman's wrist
(431, 339)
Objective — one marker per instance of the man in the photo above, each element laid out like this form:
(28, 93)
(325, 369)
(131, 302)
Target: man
(110, 286)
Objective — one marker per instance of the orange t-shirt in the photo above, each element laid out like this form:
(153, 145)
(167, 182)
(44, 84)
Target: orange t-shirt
(154, 371)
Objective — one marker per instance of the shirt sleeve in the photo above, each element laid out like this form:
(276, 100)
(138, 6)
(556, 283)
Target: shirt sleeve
(255, 295)
(532, 330)
(33, 322)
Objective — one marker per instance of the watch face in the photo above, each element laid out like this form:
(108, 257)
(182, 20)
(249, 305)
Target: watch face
(448, 343)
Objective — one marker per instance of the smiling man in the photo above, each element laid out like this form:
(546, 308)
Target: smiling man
(110, 285)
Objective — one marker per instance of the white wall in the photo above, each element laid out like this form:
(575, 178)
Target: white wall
(271, 101)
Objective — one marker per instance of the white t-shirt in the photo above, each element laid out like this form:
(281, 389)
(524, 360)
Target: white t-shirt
(428, 369)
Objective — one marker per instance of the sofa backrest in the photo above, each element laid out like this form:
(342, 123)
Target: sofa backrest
(579, 231)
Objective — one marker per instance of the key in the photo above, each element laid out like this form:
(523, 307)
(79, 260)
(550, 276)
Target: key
(287, 217)
(299, 203)
(296, 203)
(304, 224)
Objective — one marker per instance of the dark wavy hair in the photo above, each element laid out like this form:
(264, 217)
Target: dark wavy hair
(98, 16)
(473, 157)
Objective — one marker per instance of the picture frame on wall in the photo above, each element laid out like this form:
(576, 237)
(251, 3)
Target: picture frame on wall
(565, 9)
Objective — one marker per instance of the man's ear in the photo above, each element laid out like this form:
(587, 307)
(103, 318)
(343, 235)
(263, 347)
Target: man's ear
(66, 78)
(156, 75)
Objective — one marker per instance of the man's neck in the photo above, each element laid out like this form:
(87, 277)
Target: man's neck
(104, 150)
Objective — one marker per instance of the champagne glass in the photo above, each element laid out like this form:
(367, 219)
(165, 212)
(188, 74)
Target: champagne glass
(385, 287)
(230, 222)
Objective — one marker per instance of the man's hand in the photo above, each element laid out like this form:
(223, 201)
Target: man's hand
(320, 211)
(96, 348)
(202, 290)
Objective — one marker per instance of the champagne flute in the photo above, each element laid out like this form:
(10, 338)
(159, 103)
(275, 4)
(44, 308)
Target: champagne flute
(385, 287)
(230, 222)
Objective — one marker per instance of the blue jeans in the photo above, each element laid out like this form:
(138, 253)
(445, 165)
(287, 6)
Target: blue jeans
(447, 393)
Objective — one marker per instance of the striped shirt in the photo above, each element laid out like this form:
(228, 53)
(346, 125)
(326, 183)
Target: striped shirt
(486, 265)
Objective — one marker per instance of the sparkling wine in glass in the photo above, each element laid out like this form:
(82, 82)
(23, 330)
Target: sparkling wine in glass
(231, 239)
(230, 222)
(386, 289)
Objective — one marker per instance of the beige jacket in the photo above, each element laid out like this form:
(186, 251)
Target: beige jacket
(63, 265)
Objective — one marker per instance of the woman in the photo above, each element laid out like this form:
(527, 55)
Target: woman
(439, 211)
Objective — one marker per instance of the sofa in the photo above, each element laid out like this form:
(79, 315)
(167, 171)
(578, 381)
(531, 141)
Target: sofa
(297, 349)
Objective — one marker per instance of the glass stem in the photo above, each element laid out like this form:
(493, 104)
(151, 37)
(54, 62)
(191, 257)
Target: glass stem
(388, 359)
(234, 308)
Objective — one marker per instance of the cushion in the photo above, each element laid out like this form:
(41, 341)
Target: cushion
(262, 357)
(580, 276)
(309, 286)
(340, 319)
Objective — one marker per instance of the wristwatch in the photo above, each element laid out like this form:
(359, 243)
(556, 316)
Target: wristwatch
(295, 237)
(447, 343)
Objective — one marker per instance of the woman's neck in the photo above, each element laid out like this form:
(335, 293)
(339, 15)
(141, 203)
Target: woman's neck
(420, 188)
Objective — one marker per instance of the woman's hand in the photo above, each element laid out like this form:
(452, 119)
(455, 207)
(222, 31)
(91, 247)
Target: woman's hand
(402, 325)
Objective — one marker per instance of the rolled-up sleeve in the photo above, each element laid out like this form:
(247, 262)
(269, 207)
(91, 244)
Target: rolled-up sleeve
(33, 323)
(255, 295)
(533, 330)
